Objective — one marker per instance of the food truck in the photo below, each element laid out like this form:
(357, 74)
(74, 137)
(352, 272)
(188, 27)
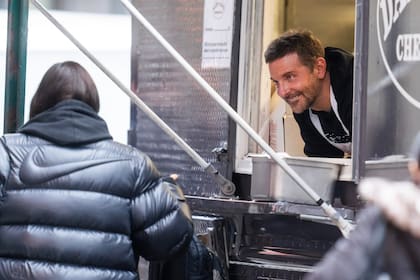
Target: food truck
(203, 107)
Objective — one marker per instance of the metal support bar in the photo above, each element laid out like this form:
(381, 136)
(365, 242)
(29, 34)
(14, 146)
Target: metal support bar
(17, 34)
(360, 89)
(227, 187)
(342, 224)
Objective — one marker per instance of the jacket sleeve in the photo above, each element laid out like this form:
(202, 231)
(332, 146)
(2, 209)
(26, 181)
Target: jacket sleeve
(161, 217)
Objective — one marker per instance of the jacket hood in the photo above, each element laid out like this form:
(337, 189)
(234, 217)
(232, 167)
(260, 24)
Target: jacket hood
(68, 123)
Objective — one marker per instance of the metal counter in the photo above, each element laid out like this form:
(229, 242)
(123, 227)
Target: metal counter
(222, 206)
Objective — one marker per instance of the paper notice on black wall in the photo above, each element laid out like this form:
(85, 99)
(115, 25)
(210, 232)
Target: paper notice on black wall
(217, 33)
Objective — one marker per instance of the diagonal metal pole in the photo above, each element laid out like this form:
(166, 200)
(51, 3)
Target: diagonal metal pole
(227, 187)
(341, 223)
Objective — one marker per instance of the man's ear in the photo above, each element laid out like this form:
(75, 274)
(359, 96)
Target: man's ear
(320, 67)
(414, 169)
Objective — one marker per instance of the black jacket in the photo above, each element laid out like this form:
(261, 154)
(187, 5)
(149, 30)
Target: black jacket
(340, 67)
(77, 205)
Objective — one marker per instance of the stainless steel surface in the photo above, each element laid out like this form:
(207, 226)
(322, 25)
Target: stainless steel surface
(211, 230)
(280, 240)
(221, 206)
(269, 182)
(388, 168)
(266, 271)
(275, 265)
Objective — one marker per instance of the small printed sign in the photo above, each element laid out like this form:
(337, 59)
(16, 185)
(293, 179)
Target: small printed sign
(217, 33)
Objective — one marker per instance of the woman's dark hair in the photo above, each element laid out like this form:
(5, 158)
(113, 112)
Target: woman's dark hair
(302, 42)
(65, 80)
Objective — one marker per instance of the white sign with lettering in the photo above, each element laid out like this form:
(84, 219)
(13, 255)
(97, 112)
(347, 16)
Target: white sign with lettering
(217, 33)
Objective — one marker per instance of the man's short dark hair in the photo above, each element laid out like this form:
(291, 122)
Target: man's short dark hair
(302, 42)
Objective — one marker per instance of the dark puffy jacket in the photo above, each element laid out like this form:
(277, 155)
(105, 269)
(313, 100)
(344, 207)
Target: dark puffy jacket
(84, 211)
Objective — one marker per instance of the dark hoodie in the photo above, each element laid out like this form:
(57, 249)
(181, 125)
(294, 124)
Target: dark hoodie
(68, 123)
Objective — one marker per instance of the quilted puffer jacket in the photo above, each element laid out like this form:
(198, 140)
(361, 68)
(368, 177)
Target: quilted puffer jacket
(77, 205)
